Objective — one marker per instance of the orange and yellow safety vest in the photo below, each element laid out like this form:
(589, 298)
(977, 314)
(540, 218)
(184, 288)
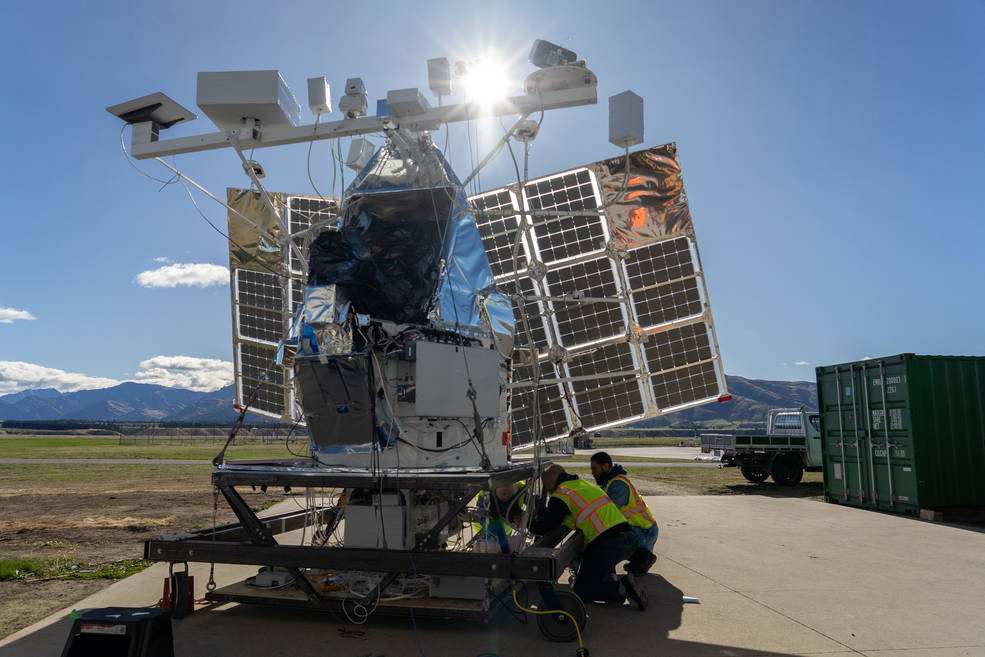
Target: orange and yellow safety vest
(591, 510)
(636, 511)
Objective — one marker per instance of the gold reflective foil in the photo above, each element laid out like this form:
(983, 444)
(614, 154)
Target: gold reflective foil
(653, 205)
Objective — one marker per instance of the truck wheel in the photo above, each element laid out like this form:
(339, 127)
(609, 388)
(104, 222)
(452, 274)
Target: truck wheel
(755, 475)
(787, 470)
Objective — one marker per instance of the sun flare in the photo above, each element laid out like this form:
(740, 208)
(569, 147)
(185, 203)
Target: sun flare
(487, 82)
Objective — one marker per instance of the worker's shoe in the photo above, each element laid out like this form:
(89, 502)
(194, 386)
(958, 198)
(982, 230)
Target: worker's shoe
(640, 562)
(634, 591)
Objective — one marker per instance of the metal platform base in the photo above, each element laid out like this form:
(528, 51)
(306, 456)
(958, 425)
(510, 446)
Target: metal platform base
(252, 540)
(291, 597)
(307, 473)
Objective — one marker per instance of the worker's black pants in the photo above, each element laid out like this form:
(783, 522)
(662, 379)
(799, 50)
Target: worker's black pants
(596, 577)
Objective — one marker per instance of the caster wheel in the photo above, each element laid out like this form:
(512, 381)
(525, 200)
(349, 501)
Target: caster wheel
(558, 627)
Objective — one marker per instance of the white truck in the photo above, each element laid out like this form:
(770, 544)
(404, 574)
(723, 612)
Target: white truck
(792, 444)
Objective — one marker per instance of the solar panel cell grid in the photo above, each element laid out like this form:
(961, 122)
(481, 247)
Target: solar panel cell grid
(535, 313)
(499, 233)
(258, 362)
(553, 416)
(678, 347)
(297, 295)
(558, 238)
(305, 211)
(262, 325)
(260, 289)
(584, 323)
(606, 399)
(687, 385)
(659, 263)
(667, 303)
(268, 399)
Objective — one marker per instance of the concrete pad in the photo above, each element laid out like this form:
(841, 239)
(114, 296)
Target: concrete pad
(932, 652)
(866, 580)
(776, 577)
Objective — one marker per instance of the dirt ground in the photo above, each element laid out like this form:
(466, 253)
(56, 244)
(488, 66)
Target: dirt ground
(99, 527)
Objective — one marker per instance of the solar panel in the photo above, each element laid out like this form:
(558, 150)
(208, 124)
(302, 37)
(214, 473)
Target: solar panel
(680, 389)
(607, 400)
(552, 409)
(613, 287)
(580, 323)
(498, 233)
(534, 313)
(302, 213)
(563, 237)
(268, 287)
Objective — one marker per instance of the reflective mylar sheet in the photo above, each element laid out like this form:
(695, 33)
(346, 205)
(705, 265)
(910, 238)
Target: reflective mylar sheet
(267, 288)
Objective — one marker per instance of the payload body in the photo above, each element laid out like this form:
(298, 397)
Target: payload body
(403, 341)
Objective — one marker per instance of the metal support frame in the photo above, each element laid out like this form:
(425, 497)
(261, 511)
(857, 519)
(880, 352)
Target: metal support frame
(260, 534)
(252, 540)
(144, 145)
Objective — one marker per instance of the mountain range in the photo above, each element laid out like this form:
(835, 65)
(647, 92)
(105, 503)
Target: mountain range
(144, 402)
(127, 402)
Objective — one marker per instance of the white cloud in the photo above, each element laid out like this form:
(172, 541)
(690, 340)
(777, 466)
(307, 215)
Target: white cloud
(801, 362)
(200, 374)
(190, 274)
(163, 260)
(16, 376)
(866, 357)
(8, 315)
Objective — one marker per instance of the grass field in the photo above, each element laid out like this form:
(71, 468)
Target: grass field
(83, 447)
(711, 481)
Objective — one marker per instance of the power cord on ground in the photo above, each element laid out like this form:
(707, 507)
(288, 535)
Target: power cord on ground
(582, 650)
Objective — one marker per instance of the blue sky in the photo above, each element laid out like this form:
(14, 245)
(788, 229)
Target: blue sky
(832, 154)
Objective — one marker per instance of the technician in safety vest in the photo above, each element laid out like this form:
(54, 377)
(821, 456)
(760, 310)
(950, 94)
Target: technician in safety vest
(500, 513)
(577, 504)
(613, 480)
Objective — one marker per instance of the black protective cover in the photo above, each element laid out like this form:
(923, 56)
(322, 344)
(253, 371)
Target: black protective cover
(336, 398)
(385, 257)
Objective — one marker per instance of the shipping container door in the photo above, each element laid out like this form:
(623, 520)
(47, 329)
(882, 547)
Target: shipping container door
(888, 443)
(844, 449)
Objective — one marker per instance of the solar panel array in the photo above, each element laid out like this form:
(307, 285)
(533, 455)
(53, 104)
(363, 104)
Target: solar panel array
(613, 294)
(262, 279)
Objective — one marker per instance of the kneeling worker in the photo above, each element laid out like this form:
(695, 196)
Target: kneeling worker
(613, 480)
(577, 504)
(499, 514)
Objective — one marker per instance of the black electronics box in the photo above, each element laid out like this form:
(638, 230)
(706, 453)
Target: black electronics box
(121, 632)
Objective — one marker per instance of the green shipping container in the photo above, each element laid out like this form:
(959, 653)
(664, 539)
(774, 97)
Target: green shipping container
(930, 454)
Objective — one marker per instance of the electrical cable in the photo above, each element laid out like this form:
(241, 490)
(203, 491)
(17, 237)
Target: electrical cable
(310, 145)
(581, 646)
(182, 178)
(131, 162)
